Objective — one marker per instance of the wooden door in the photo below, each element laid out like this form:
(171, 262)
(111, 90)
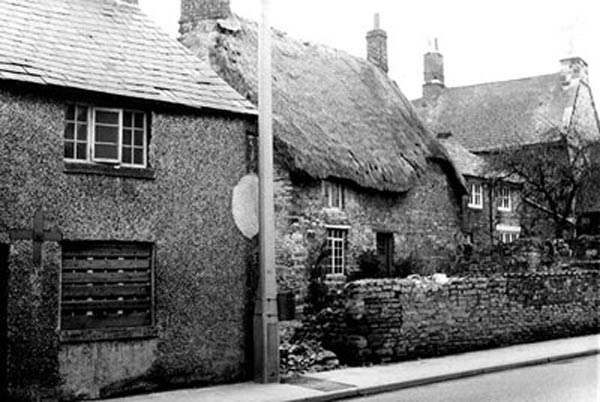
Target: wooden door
(3, 321)
(385, 251)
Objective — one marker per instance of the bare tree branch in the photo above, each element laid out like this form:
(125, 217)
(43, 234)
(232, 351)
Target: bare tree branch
(558, 174)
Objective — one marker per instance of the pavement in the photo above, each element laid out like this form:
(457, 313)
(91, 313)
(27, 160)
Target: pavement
(360, 381)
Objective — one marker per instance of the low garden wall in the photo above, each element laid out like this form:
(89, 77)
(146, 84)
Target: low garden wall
(394, 319)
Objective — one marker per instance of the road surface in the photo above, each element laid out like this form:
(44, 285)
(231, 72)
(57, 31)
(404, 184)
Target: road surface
(575, 380)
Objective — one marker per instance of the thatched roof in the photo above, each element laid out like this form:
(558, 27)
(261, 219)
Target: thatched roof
(335, 115)
(109, 47)
(495, 115)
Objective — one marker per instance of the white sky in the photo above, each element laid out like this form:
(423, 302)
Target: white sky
(481, 40)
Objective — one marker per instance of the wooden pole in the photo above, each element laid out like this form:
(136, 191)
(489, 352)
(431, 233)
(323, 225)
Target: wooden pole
(266, 337)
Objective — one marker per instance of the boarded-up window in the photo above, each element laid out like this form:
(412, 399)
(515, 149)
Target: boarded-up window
(106, 285)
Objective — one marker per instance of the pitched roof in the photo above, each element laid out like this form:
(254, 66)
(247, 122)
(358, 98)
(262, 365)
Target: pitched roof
(335, 115)
(109, 47)
(499, 114)
(468, 163)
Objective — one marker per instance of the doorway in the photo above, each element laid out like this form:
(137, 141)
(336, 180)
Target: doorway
(385, 251)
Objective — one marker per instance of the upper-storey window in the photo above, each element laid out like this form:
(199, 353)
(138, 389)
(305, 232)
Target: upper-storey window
(106, 135)
(334, 195)
(476, 196)
(76, 133)
(504, 203)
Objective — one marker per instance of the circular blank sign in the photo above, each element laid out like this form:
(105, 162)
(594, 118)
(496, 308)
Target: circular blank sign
(245, 205)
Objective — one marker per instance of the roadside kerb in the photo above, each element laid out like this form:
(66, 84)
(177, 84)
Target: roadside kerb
(395, 386)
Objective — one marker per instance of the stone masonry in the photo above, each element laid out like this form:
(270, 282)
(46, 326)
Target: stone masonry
(197, 10)
(424, 222)
(481, 223)
(396, 319)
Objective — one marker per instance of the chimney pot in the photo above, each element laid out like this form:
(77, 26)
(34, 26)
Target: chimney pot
(433, 72)
(377, 46)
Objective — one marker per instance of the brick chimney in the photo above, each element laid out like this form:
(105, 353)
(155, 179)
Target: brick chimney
(573, 70)
(377, 46)
(194, 11)
(433, 72)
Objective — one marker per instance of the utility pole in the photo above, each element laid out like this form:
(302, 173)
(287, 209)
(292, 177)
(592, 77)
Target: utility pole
(266, 336)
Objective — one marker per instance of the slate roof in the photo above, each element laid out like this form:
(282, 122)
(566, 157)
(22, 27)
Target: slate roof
(109, 47)
(499, 114)
(335, 115)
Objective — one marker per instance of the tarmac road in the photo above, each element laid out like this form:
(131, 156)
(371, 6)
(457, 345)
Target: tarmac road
(576, 380)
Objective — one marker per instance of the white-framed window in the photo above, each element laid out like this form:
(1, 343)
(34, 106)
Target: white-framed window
(76, 137)
(476, 196)
(336, 242)
(105, 135)
(507, 233)
(507, 237)
(335, 196)
(504, 202)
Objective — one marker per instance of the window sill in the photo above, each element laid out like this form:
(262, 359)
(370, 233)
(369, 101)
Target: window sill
(334, 210)
(478, 207)
(113, 334)
(109, 170)
(335, 277)
(504, 209)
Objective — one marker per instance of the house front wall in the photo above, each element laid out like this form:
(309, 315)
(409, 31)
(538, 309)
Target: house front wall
(425, 224)
(202, 262)
(482, 224)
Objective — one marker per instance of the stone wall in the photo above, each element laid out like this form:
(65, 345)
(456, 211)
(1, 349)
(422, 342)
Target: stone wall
(424, 221)
(203, 266)
(196, 11)
(396, 319)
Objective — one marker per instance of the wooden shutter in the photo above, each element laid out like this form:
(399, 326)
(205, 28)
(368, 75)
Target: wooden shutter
(106, 284)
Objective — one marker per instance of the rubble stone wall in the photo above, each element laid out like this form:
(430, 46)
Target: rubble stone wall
(395, 319)
(425, 222)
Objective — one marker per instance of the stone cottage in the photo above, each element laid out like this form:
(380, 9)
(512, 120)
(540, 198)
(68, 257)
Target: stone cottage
(122, 268)
(356, 170)
(493, 207)
(527, 112)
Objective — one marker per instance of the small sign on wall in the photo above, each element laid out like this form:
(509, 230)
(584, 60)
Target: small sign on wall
(244, 205)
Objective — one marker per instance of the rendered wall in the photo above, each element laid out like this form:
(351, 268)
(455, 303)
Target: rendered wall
(202, 268)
